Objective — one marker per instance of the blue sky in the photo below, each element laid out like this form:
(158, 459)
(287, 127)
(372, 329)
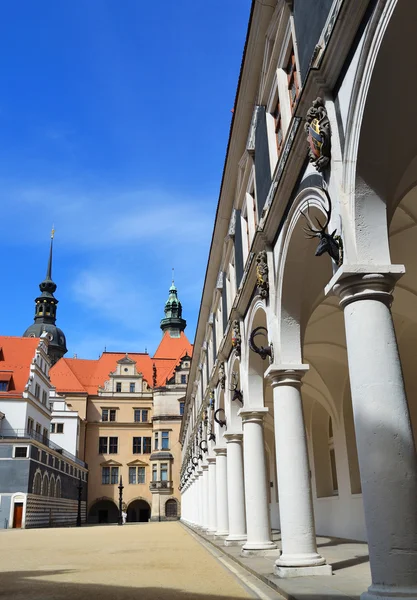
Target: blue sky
(114, 118)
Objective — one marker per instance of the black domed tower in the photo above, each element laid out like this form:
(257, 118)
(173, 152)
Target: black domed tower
(173, 321)
(45, 315)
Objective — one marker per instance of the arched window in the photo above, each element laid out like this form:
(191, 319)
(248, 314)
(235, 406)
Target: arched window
(171, 508)
(58, 488)
(52, 487)
(37, 483)
(45, 485)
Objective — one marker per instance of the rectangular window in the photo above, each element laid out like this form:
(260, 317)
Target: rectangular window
(52, 427)
(113, 444)
(292, 75)
(137, 415)
(38, 428)
(182, 404)
(144, 416)
(137, 445)
(118, 387)
(154, 473)
(183, 378)
(165, 440)
(156, 440)
(3, 386)
(102, 445)
(45, 434)
(132, 388)
(105, 414)
(44, 397)
(279, 136)
(132, 475)
(60, 427)
(141, 474)
(30, 425)
(147, 445)
(105, 475)
(21, 452)
(112, 414)
(115, 475)
(164, 471)
(37, 390)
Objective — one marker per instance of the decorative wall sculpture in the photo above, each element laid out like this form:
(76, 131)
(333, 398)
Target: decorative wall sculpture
(318, 138)
(262, 274)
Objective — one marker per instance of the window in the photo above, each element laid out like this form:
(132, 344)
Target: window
(147, 445)
(137, 445)
(37, 484)
(292, 76)
(45, 434)
(140, 415)
(38, 428)
(171, 508)
(20, 452)
(136, 475)
(102, 445)
(137, 415)
(105, 414)
(52, 487)
(44, 397)
(182, 404)
(105, 475)
(3, 386)
(37, 390)
(114, 475)
(154, 473)
(118, 387)
(333, 469)
(164, 471)
(279, 136)
(131, 388)
(183, 378)
(30, 425)
(165, 440)
(156, 440)
(113, 443)
(112, 414)
(52, 427)
(144, 416)
(58, 488)
(60, 427)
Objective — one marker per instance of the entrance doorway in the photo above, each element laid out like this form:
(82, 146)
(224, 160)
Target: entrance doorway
(103, 511)
(138, 511)
(17, 515)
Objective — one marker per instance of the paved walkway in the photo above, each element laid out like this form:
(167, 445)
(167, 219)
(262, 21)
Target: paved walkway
(149, 561)
(349, 559)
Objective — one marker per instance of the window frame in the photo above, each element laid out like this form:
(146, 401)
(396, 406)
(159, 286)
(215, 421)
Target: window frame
(113, 444)
(102, 444)
(20, 448)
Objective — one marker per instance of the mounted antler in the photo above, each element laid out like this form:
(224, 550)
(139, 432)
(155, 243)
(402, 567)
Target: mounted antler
(212, 437)
(329, 242)
(205, 448)
(221, 422)
(263, 351)
(237, 394)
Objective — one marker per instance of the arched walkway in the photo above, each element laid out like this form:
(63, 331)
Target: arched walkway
(138, 511)
(103, 511)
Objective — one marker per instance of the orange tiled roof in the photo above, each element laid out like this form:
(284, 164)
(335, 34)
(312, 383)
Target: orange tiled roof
(85, 376)
(15, 357)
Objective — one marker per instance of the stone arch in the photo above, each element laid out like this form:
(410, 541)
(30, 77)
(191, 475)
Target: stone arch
(300, 276)
(52, 486)
(253, 367)
(58, 487)
(37, 483)
(45, 485)
(234, 422)
(171, 508)
(138, 510)
(103, 510)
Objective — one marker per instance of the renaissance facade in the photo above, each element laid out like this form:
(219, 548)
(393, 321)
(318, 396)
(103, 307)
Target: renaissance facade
(300, 410)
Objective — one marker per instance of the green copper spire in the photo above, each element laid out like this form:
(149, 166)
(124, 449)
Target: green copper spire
(173, 321)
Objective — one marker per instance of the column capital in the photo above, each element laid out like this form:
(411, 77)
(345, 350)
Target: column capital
(233, 437)
(286, 374)
(211, 460)
(205, 467)
(255, 415)
(220, 451)
(364, 282)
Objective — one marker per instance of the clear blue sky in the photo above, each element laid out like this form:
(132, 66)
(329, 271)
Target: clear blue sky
(114, 119)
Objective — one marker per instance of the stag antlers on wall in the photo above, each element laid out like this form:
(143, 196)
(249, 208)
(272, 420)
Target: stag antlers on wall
(329, 243)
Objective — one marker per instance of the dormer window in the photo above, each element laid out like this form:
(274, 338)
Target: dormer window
(3, 386)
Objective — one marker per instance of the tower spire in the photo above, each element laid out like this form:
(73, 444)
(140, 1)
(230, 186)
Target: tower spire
(173, 321)
(45, 313)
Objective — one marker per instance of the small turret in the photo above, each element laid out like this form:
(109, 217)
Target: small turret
(173, 321)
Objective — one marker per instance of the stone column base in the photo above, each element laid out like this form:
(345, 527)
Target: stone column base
(251, 549)
(302, 571)
(235, 540)
(376, 592)
(219, 534)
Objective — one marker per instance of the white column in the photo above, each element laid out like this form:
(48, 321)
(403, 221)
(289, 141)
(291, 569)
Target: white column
(256, 492)
(200, 496)
(222, 513)
(212, 495)
(386, 450)
(299, 549)
(235, 489)
(205, 523)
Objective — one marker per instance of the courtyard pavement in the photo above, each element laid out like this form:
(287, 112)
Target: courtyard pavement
(349, 560)
(147, 561)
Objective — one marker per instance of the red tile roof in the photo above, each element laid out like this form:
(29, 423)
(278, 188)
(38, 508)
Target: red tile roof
(15, 359)
(85, 376)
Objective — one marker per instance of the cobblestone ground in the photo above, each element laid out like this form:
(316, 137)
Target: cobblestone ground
(158, 561)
